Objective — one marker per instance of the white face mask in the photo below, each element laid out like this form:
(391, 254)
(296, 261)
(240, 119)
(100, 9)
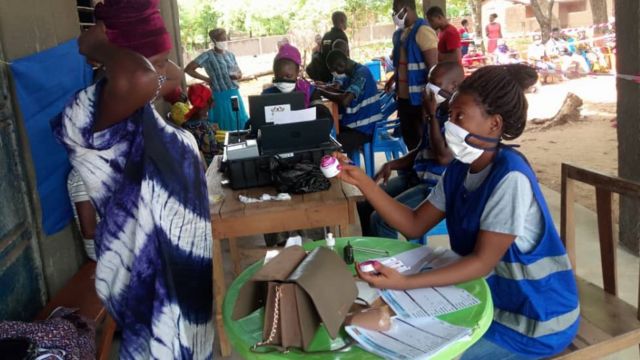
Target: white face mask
(437, 91)
(399, 21)
(339, 77)
(285, 87)
(222, 45)
(456, 138)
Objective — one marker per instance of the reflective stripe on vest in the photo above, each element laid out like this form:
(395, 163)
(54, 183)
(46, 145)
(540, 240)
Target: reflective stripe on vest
(416, 66)
(369, 101)
(364, 122)
(533, 328)
(535, 271)
(416, 89)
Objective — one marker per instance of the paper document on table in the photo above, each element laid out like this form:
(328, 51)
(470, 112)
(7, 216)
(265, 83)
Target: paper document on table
(419, 259)
(428, 302)
(271, 111)
(290, 117)
(409, 338)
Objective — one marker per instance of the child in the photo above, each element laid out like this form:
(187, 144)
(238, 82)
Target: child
(286, 71)
(498, 222)
(473, 59)
(424, 165)
(197, 122)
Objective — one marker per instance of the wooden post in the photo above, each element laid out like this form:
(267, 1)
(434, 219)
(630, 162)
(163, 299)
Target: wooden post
(628, 53)
(607, 242)
(567, 215)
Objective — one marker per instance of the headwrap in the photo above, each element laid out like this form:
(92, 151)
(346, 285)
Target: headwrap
(289, 52)
(200, 97)
(179, 111)
(135, 24)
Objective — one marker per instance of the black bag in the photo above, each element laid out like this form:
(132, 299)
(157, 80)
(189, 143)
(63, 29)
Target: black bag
(299, 178)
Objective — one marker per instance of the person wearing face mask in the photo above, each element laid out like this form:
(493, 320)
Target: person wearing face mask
(498, 222)
(358, 99)
(415, 51)
(145, 179)
(286, 74)
(420, 170)
(222, 76)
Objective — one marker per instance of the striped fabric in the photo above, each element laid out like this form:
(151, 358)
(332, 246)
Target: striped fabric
(365, 109)
(417, 70)
(218, 66)
(145, 178)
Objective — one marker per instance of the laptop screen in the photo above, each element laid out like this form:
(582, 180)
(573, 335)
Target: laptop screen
(260, 105)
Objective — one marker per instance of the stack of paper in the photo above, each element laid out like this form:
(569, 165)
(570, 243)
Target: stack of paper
(416, 332)
(419, 338)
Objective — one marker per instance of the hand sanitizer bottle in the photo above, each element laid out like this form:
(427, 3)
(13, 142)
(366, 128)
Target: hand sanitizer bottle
(331, 242)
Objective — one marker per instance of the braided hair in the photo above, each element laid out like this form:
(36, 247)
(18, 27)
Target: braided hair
(499, 89)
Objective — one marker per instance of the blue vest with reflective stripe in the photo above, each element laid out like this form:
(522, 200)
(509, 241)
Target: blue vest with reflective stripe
(534, 294)
(430, 171)
(416, 68)
(365, 110)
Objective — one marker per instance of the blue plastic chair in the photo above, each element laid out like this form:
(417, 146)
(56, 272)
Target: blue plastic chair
(383, 140)
(440, 229)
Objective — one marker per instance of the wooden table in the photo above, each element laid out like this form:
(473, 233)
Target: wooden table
(231, 219)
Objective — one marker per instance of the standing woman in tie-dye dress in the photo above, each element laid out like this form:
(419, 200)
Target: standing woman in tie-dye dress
(145, 178)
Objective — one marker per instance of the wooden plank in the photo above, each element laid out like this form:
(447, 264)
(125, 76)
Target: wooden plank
(235, 256)
(602, 349)
(567, 215)
(281, 220)
(606, 182)
(611, 314)
(219, 290)
(607, 241)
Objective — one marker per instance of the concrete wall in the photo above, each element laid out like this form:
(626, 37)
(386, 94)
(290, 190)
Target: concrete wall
(27, 27)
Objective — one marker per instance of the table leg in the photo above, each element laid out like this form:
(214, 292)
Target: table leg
(219, 289)
(235, 256)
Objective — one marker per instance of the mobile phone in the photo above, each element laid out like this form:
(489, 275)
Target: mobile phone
(235, 106)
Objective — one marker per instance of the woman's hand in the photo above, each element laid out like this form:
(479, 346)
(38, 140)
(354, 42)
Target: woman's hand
(429, 104)
(383, 277)
(349, 173)
(91, 39)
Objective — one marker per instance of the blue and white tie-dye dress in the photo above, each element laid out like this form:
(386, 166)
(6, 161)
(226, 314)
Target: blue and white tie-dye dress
(154, 274)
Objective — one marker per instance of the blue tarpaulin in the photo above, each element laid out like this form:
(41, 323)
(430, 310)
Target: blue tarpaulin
(45, 82)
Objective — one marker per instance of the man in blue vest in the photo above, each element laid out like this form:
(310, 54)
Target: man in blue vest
(420, 170)
(415, 51)
(358, 99)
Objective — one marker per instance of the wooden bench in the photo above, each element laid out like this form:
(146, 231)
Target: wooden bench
(608, 324)
(80, 293)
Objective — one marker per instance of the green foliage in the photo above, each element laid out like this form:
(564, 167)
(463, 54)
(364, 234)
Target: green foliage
(458, 8)
(264, 18)
(196, 21)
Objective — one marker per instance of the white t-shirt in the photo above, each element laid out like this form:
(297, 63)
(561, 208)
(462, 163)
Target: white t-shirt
(511, 209)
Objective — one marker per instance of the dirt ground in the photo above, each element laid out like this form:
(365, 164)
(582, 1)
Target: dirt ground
(591, 143)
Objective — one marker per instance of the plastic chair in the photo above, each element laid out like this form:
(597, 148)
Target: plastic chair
(440, 229)
(383, 140)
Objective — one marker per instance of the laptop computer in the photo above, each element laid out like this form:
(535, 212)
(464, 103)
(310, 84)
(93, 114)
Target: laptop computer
(258, 103)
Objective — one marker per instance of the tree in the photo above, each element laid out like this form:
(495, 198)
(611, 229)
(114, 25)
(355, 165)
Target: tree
(476, 13)
(361, 13)
(543, 10)
(599, 15)
(458, 8)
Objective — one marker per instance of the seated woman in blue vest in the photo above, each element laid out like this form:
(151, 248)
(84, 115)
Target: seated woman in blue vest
(498, 222)
(420, 170)
(358, 99)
